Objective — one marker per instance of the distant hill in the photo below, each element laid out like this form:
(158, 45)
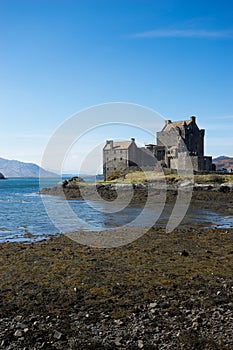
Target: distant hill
(220, 158)
(14, 168)
(223, 162)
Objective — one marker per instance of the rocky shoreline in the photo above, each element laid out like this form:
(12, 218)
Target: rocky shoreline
(163, 291)
(217, 198)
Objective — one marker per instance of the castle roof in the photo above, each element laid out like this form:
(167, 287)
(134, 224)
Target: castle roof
(115, 145)
(179, 124)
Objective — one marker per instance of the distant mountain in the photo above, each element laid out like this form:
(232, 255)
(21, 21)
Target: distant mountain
(220, 158)
(223, 162)
(14, 168)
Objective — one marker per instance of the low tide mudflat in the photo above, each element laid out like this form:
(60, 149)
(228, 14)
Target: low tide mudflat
(163, 291)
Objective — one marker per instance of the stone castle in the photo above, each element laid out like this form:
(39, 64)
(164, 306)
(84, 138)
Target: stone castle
(174, 141)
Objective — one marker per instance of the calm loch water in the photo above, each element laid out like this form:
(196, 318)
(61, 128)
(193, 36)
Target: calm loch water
(23, 216)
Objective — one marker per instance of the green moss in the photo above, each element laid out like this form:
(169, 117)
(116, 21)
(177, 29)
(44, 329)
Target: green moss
(115, 175)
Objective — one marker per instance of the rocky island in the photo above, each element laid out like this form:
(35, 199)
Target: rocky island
(2, 177)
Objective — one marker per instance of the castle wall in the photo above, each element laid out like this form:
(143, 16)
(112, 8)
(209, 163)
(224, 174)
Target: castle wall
(113, 160)
(202, 164)
(180, 145)
(116, 159)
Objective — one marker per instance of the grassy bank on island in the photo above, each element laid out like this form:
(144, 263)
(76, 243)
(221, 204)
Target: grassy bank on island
(142, 176)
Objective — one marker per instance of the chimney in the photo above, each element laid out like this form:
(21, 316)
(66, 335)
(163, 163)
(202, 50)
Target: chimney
(193, 119)
(132, 139)
(110, 143)
(168, 122)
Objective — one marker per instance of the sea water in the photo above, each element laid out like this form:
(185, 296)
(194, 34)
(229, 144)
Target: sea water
(22, 213)
(23, 216)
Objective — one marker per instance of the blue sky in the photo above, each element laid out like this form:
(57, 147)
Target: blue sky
(61, 56)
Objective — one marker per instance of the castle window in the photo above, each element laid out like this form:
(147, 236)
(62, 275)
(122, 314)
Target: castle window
(120, 158)
(114, 158)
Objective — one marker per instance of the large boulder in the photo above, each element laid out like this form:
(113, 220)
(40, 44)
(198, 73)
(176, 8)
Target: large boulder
(2, 177)
(73, 182)
(226, 187)
(203, 187)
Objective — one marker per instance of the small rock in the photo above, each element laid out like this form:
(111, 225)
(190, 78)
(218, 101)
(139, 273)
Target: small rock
(184, 253)
(200, 292)
(118, 322)
(18, 333)
(21, 325)
(196, 321)
(195, 324)
(57, 335)
(118, 341)
(18, 318)
(152, 305)
(140, 344)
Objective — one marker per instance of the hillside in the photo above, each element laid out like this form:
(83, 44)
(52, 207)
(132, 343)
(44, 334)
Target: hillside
(224, 162)
(15, 168)
(220, 158)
